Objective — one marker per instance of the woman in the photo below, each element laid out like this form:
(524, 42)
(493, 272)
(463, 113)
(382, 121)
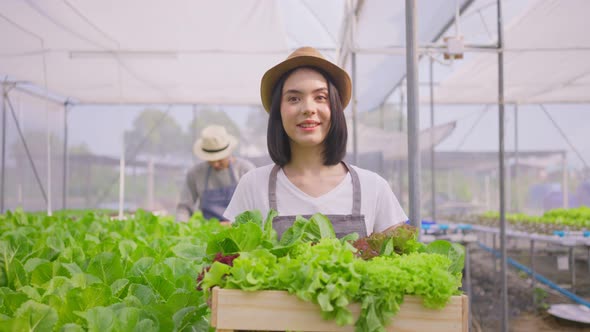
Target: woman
(306, 138)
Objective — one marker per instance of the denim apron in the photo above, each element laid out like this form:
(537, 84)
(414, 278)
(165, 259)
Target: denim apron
(215, 201)
(343, 224)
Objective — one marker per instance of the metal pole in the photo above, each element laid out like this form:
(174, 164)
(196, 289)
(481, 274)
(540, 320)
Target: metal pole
(3, 149)
(468, 282)
(432, 161)
(413, 114)
(488, 194)
(516, 187)
(565, 190)
(400, 162)
(354, 87)
(504, 283)
(573, 268)
(532, 254)
(194, 130)
(65, 160)
(28, 153)
(354, 112)
(49, 195)
(122, 179)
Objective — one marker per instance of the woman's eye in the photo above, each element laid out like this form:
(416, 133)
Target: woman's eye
(322, 98)
(292, 99)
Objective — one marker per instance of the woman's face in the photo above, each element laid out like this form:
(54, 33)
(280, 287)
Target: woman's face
(305, 107)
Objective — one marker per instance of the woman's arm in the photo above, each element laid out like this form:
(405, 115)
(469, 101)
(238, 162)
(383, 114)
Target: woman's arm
(388, 212)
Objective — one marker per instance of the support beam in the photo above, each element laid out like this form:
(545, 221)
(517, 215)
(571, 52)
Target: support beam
(48, 168)
(516, 186)
(413, 114)
(2, 171)
(352, 44)
(400, 162)
(432, 159)
(354, 112)
(565, 187)
(503, 259)
(122, 178)
(64, 186)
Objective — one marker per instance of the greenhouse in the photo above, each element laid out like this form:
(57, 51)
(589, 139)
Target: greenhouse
(462, 151)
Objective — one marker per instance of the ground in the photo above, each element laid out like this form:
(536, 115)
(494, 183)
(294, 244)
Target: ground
(525, 315)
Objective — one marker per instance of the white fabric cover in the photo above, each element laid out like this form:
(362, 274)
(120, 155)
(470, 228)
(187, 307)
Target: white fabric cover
(191, 51)
(546, 60)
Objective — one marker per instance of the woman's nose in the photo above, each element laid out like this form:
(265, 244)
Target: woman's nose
(308, 107)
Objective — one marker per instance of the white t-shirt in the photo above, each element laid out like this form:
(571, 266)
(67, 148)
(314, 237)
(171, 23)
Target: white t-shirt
(378, 203)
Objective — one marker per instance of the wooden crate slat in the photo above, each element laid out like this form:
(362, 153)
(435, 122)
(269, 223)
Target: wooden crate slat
(279, 311)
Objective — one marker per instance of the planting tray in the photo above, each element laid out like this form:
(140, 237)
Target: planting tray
(279, 311)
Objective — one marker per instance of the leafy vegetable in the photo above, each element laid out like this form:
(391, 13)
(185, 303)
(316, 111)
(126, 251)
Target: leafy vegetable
(312, 264)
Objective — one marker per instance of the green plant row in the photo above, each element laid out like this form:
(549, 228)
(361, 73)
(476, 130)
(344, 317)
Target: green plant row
(573, 219)
(92, 273)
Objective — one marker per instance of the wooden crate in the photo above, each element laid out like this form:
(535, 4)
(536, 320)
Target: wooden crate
(279, 311)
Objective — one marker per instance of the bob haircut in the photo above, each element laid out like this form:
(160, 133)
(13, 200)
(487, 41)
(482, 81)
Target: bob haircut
(277, 139)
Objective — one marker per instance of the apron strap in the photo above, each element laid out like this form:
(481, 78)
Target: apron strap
(207, 178)
(231, 175)
(356, 189)
(272, 188)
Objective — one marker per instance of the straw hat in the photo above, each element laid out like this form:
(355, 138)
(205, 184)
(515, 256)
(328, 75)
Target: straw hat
(215, 144)
(305, 57)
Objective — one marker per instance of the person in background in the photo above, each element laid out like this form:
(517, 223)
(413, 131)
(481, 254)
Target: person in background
(305, 96)
(210, 185)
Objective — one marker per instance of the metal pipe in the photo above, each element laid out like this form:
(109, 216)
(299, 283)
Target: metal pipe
(503, 267)
(354, 111)
(572, 257)
(413, 115)
(64, 201)
(354, 87)
(565, 189)
(194, 131)
(468, 281)
(48, 168)
(432, 160)
(2, 184)
(541, 278)
(122, 179)
(400, 162)
(515, 174)
(532, 255)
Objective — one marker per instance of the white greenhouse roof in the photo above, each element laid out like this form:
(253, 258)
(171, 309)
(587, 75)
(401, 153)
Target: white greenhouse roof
(547, 60)
(196, 52)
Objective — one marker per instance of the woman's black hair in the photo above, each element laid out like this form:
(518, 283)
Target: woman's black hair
(277, 140)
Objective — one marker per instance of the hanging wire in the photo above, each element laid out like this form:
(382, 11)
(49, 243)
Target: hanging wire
(562, 133)
(481, 115)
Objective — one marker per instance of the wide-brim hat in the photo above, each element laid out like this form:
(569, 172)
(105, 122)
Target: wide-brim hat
(305, 57)
(214, 144)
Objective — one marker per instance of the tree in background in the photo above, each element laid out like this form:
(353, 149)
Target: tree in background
(155, 133)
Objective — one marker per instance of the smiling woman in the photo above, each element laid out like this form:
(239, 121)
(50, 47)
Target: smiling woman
(305, 96)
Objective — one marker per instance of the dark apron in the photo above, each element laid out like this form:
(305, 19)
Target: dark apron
(343, 224)
(215, 201)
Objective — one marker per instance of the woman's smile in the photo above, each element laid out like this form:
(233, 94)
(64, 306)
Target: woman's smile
(309, 125)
